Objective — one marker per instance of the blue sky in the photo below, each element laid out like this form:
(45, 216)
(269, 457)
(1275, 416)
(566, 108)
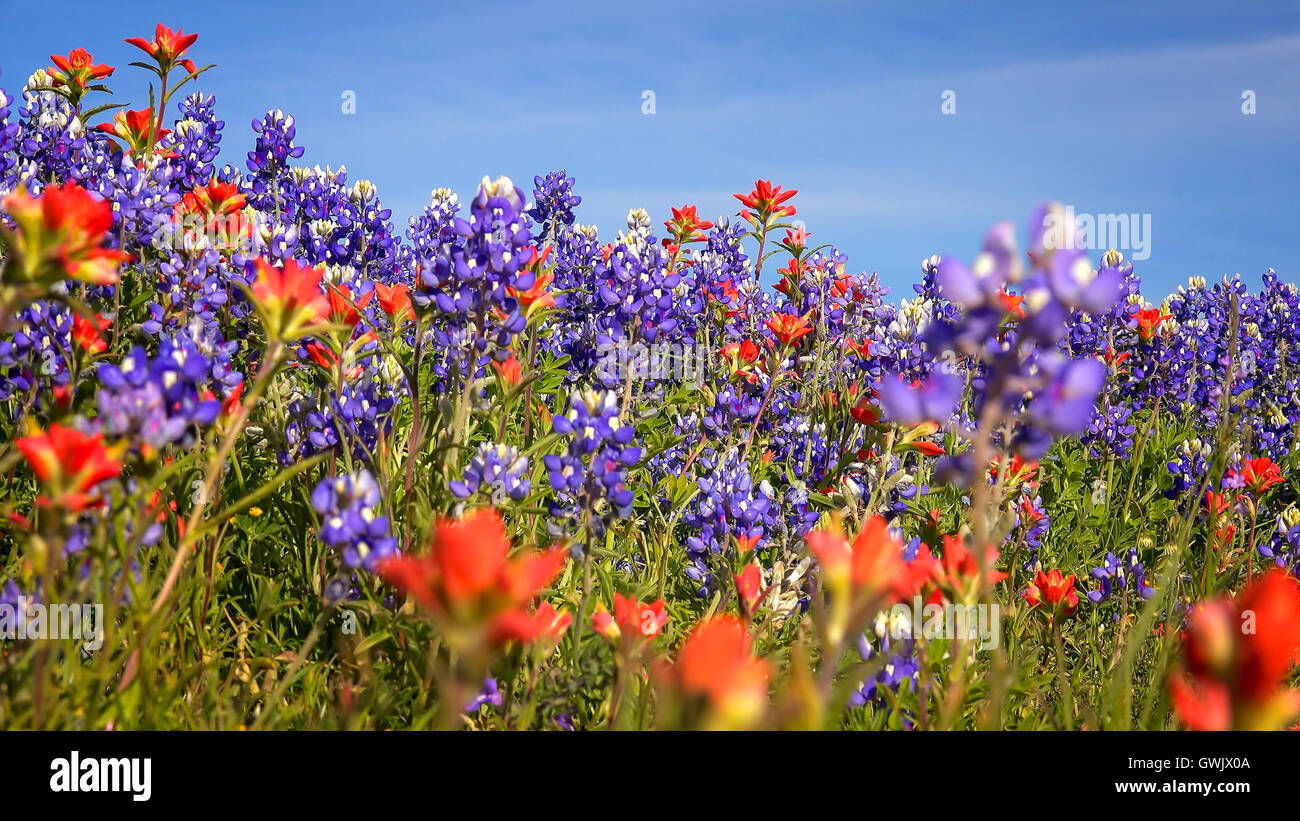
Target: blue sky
(1114, 108)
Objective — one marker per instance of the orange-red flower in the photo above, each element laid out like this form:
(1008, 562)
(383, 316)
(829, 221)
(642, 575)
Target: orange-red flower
(685, 226)
(717, 662)
(545, 626)
(69, 464)
(77, 69)
(766, 202)
(509, 371)
(749, 586)
(789, 328)
(343, 307)
(633, 622)
(1260, 474)
(1053, 591)
(1149, 321)
(88, 333)
(873, 563)
(961, 565)
(1237, 656)
(865, 412)
(396, 301)
(167, 47)
(1018, 470)
(741, 357)
(289, 299)
(215, 198)
(539, 294)
(469, 582)
(1217, 505)
(59, 234)
(136, 128)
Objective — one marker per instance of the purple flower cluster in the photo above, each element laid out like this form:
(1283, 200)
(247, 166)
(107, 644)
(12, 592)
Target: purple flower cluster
(349, 507)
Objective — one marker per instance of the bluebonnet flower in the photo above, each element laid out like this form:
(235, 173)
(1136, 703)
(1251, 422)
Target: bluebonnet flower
(553, 200)
(590, 477)
(1115, 575)
(730, 509)
(8, 141)
(892, 637)
(196, 139)
(497, 470)
(489, 695)
(156, 401)
(350, 520)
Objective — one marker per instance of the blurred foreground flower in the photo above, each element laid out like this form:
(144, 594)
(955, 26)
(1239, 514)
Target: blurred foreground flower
(467, 582)
(289, 299)
(717, 662)
(1237, 655)
(70, 465)
(59, 235)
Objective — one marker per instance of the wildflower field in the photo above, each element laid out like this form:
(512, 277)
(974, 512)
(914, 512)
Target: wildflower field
(269, 461)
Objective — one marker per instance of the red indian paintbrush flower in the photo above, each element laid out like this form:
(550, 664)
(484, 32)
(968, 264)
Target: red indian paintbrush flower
(215, 198)
(77, 69)
(69, 464)
(789, 328)
(289, 299)
(1237, 656)
(396, 301)
(59, 235)
(544, 627)
(717, 662)
(136, 128)
(685, 226)
(167, 47)
(343, 306)
(217, 209)
(1149, 321)
(961, 565)
(509, 371)
(873, 563)
(89, 333)
(749, 586)
(632, 622)
(1053, 591)
(1260, 474)
(742, 359)
(469, 582)
(765, 203)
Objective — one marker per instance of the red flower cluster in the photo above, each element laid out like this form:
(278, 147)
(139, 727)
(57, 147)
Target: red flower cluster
(765, 203)
(632, 624)
(59, 234)
(77, 69)
(1053, 591)
(468, 582)
(70, 465)
(167, 47)
(289, 299)
(685, 227)
(1260, 474)
(873, 563)
(717, 662)
(789, 328)
(1237, 655)
(1149, 321)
